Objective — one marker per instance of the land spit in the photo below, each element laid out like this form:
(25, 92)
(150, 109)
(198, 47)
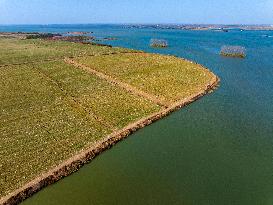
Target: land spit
(70, 77)
(75, 163)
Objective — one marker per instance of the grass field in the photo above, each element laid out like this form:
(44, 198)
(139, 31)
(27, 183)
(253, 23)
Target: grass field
(52, 110)
(14, 50)
(167, 77)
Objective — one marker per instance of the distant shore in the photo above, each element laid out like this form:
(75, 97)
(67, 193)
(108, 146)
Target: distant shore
(190, 27)
(203, 27)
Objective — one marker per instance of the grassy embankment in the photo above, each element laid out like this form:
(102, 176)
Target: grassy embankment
(51, 110)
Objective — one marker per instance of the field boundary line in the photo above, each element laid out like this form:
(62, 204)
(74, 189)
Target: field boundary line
(125, 86)
(89, 112)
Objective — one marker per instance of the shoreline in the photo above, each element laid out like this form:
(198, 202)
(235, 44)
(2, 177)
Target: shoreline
(74, 163)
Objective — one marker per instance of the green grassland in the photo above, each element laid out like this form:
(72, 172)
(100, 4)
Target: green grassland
(168, 77)
(52, 110)
(49, 111)
(13, 50)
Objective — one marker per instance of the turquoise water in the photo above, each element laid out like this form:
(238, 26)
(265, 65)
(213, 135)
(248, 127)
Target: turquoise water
(218, 150)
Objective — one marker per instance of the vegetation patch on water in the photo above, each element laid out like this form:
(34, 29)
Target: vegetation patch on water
(59, 99)
(233, 51)
(159, 43)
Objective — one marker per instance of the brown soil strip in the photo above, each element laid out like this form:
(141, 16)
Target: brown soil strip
(123, 85)
(75, 163)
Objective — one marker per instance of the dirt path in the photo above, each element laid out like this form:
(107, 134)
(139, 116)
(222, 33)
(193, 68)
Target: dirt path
(123, 85)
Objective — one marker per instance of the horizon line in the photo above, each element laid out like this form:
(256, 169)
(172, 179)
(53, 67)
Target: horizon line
(205, 24)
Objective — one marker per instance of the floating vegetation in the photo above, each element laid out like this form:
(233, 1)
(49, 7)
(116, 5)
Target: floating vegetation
(159, 43)
(233, 51)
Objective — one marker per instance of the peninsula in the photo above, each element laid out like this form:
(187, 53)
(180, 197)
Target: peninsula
(63, 103)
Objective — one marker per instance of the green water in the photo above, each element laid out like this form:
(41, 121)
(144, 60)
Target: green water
(217, 151)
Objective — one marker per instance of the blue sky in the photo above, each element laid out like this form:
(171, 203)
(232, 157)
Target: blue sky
(136, 11)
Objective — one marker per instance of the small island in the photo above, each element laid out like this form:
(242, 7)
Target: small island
(233, 51)
(159, 43)
(64, 102)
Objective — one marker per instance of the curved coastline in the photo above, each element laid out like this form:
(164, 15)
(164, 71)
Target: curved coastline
(75, 163)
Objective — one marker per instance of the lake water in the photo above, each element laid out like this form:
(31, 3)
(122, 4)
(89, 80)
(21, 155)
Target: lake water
(217, 151)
